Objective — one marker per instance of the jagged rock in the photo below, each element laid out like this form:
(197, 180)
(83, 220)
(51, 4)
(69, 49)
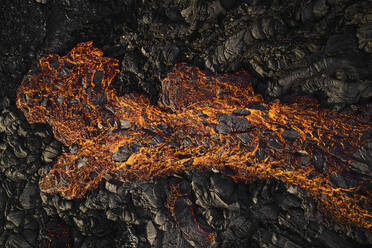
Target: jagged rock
(63, 205)
(41, 1)
(3, 237)
(3, 200)
(200, 185)
(124, 152)
(195, 230)
(360, 168)
(287, 201)
(160, 219)
(269, 212)
(99, 200)
(17, 240)
(111, 187)
(30, 197)
(9, 123)
(332, 240)
(8, 159)
(15, 217)
(245, 138)
(30, 224)
(223, 192)
(33, 144)
(290, 134)
(30, 236)
(115, 201)
(95, 242)
(282, 241)
(51, 151)
(20, 151)
(337, 181)
(150, 232)
(15, 175)
(230, 123)
(150, 195)
(113, 215)
(79, 222)
(294, 220)
(172, 237)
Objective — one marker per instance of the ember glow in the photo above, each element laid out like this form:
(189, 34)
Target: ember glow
(202, 121)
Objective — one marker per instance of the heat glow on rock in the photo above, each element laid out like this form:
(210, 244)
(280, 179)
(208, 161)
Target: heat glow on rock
(202, 121)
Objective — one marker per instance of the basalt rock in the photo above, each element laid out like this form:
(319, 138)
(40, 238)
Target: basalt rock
(296, 47)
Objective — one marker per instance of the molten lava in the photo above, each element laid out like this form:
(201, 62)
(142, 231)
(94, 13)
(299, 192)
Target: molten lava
(202, 121)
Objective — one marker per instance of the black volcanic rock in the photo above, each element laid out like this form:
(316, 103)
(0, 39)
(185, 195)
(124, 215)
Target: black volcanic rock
(291, 47)
(30, 197)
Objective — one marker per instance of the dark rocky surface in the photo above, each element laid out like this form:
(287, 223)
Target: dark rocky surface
(320, 47)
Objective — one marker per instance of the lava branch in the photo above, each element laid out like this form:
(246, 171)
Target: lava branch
(202, 121)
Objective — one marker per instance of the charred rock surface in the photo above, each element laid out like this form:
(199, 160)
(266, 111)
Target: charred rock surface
(318, 47)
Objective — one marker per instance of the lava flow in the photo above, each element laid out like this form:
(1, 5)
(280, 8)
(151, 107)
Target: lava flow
(202, 121)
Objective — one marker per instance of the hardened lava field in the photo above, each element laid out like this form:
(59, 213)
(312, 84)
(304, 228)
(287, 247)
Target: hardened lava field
(202, 121)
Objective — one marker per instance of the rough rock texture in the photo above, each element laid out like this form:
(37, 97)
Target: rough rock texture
(320, 47)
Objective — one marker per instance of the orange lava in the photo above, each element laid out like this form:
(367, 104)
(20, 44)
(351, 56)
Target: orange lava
(202, 121)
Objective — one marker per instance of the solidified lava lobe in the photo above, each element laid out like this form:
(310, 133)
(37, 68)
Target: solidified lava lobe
(182, 211)
(202, 121)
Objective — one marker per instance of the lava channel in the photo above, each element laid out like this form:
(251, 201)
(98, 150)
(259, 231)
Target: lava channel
(202, 122)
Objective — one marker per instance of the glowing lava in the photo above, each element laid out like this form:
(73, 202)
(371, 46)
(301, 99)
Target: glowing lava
(202, 121)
